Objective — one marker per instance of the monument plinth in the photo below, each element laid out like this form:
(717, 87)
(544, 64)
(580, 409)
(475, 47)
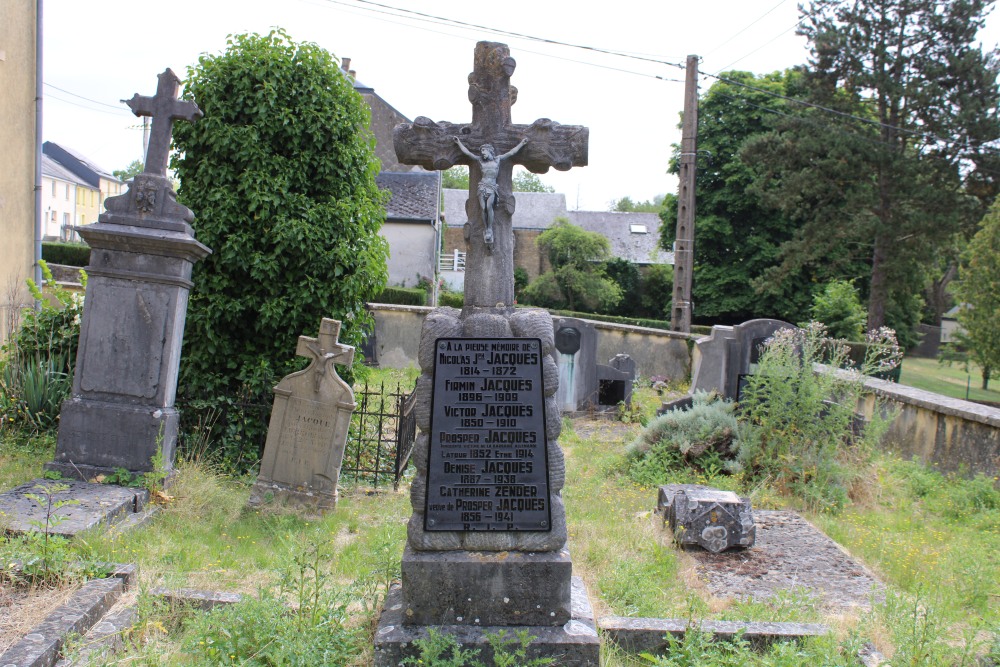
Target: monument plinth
(121, 411)
(486, 543)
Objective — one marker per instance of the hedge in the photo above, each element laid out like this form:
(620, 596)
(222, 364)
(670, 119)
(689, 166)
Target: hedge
(68, 254)
(402, 296)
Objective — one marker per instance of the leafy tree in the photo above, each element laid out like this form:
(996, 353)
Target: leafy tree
(626, 205)
(577, 279)
(891, 175)
(625, 274)
(979, 291)
(281, 174)
(838, 307)
(455, 178)
(133, 169)
(525, 181)
(738, 235)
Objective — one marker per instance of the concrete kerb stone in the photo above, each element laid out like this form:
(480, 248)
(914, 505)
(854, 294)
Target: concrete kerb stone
(648, 635)
(78, 615)
(199, 599)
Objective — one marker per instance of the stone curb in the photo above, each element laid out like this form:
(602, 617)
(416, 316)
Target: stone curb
(639, 635)
(202, 600)
(104, 638)
(41, 647)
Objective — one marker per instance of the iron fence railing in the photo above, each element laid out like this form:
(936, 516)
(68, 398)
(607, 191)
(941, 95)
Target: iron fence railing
(379, 442)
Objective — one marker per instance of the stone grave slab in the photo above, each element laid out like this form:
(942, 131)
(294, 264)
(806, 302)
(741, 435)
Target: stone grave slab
(709, 518)
(789, 554)
(97, 505)
(307, 433)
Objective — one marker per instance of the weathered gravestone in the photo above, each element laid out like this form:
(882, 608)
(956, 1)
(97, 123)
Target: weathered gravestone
(730, 352)
(486, 543)
(308, 429)
(584, 384)
(121, 411)
(713, 519)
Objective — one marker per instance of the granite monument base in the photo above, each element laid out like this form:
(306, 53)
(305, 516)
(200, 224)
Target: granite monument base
(575, 643)
(98, 438)
(486, 588)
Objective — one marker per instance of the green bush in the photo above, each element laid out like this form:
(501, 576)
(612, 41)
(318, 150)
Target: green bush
(452, 299)
(632, 321)
(703, 438)
(839, 308)
(36, 367)
(281, 175)
(402, 296)
(798, 428)
(68, 254)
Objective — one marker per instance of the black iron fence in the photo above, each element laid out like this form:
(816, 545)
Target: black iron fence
(379, 442)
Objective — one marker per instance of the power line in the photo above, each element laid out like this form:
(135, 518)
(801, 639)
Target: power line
(433, 18)
(745, 28)
(770, 41)
(82, 106)
(103, 104)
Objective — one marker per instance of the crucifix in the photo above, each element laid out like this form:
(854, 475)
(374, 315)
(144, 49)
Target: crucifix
(165, 108)
(500, 144)
(324, 350)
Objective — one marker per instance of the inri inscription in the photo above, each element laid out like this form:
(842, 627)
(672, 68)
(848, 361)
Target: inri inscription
(487, 467)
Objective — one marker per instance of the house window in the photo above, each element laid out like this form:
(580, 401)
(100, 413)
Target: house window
(53, 218)
(67, 192)
(53, 188)
(638, 229)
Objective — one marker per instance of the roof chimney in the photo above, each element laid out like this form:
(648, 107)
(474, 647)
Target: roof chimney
(345, 64)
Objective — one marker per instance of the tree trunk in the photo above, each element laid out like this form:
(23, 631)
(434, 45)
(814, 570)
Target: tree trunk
(879, 284)
(986, 378)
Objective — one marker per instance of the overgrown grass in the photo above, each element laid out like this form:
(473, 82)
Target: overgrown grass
(935, 540)
(947, 379)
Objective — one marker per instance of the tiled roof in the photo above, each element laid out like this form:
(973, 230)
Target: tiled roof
(414, 195)
(79, 164)
(53, 169)
(633, 236)
(533, 210)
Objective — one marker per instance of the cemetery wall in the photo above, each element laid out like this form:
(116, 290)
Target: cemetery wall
(948, 433)
(419, 241)
(17, 159)
(656, 352)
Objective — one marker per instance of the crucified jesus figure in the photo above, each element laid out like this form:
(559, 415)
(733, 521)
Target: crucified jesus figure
(489, 164)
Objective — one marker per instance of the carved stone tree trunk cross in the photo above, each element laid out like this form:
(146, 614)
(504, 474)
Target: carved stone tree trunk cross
(489, 281)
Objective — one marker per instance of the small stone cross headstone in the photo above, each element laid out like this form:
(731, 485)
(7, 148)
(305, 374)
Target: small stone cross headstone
(121, 411)
(308, 430)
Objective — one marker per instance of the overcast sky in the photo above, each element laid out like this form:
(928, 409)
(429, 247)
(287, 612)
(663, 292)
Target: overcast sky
(103, 51)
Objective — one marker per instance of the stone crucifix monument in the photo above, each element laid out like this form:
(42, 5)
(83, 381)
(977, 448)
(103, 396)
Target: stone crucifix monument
(486, 543)
(121, 411)
(308, 430)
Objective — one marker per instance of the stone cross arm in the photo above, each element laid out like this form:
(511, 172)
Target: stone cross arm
(326, 345)
(431, 145)
(165, 108)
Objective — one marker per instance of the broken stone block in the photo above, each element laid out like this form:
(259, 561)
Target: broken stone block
(713, 519)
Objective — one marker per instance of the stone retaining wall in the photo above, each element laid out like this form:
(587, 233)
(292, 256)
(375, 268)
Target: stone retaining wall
(656, 352)
(948, 433)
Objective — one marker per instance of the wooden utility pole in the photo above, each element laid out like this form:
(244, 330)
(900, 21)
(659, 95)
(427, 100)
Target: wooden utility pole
(680, 318)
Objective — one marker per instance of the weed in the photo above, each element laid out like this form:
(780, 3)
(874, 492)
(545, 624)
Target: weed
(443, 650)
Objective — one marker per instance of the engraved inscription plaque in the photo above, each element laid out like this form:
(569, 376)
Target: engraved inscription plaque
(487, 468)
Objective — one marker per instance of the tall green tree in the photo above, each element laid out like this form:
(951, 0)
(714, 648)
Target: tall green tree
(133, 169)
(577, 279)
(627, 205)
(525, 181)
(281, 175)
(738, 235)
(885, 163)
(455, 178)
(979, 293)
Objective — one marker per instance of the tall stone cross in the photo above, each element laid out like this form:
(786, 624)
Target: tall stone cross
(324, 349)
(489, 280)
(165, 108)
